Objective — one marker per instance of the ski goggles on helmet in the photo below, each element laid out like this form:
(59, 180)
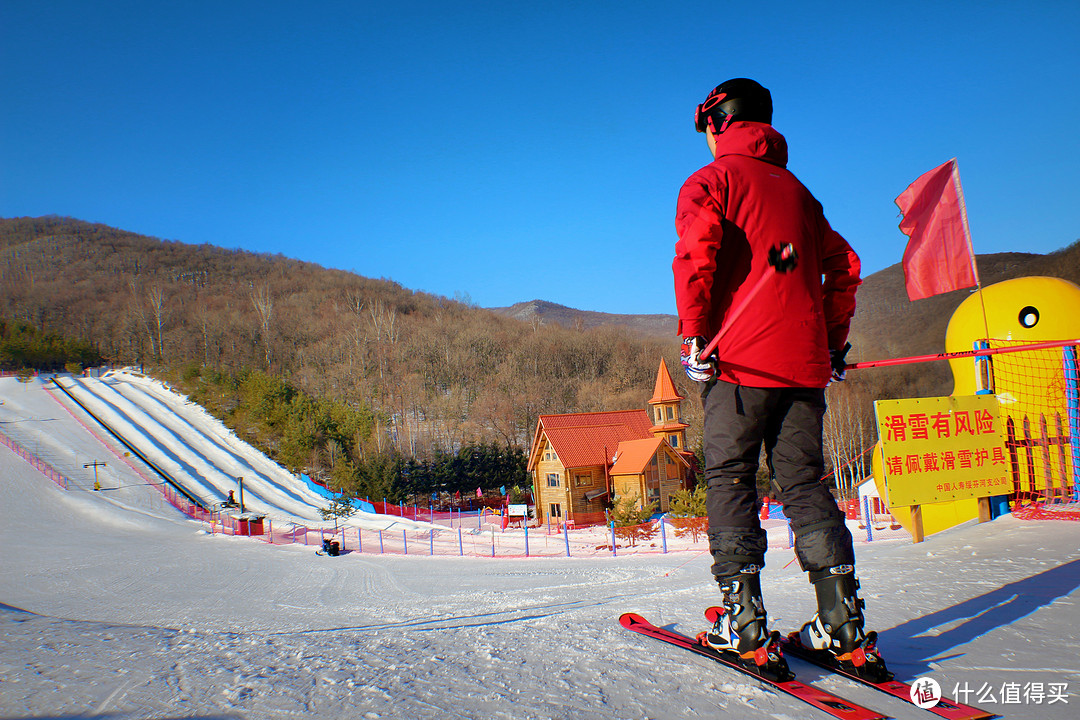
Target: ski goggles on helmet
(707, 109)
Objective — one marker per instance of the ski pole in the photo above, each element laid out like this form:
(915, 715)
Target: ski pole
(781, 259)
(961, 354)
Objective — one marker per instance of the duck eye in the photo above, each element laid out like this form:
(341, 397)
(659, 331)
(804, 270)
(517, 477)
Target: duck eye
(1029, 317)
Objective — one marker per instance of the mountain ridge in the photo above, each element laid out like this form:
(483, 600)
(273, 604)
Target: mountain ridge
(882, 306)
(435, 371)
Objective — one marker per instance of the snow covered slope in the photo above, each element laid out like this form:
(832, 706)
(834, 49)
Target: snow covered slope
(121, 612)
(193, 447)
(177, 435)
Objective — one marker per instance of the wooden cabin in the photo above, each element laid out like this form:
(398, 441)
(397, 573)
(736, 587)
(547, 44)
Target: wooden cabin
(651, 470)
(581, 462)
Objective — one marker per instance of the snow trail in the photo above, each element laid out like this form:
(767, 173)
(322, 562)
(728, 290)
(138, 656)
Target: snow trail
(232, 627)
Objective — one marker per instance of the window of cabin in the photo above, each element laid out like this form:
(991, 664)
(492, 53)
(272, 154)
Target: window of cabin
(553, 479)
(583, 480)
(670, 413)
(555, 510)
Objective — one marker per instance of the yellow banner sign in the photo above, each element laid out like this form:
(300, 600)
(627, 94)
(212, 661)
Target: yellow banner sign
(942, 449)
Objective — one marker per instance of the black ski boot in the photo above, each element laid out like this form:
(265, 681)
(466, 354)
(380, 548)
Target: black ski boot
(741, 627)
(837, 627)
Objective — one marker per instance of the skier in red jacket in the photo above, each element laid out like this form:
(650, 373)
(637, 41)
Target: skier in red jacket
(785, 341)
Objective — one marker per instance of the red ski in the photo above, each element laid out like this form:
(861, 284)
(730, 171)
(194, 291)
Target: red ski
(946, 707)
(834, 705)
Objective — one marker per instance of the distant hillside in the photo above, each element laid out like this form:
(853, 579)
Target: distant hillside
(435, 374)
(541, 311)
(888, 325)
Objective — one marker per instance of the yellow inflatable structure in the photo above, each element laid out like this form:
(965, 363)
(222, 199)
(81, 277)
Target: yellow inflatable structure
(1019, 311)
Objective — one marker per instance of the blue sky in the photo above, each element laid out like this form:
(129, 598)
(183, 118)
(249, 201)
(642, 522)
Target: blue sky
(503, 152)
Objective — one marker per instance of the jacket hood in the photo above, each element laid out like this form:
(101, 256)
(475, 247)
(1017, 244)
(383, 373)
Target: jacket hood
(754, 139)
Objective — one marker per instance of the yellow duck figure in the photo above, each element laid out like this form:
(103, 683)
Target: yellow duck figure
(1030, 386)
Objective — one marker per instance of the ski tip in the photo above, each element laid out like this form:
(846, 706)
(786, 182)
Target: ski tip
(629, 620)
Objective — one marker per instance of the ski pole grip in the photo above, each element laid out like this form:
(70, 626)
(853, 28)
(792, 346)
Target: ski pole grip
(783, 258)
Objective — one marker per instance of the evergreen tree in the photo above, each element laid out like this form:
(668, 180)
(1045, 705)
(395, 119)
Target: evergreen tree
(689, 513)
(631, 521)
(339, 507)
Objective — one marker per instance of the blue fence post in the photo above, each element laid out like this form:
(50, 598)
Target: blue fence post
(566, 537)
(984, 374)
(663, 532)
(431, 542)
(381, 548)
(405, 540)
(359, 540)
(492, 541)
(613, 551)
(866, 519)
(526, 538)
(460, 544)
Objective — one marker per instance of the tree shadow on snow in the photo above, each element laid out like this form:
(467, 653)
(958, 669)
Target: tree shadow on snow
(911, 647)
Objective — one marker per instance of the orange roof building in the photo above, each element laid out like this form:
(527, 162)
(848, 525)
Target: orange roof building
(650, 469)
(581, 462)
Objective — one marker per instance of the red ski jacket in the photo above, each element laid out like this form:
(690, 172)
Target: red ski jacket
(729, 214)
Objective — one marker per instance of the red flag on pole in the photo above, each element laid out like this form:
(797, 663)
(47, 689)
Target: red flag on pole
(938, 257)
(479, 493)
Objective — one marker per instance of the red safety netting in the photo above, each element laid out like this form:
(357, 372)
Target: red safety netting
(1037, 397)
(43, 467)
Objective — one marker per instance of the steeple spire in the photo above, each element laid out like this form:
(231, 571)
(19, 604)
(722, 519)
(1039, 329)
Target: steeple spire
(666, 410)
(665, 391)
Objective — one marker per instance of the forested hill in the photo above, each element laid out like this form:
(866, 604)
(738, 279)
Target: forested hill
(886, 323)
(433, 373)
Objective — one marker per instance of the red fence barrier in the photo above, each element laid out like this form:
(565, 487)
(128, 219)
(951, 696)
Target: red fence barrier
(43, 467)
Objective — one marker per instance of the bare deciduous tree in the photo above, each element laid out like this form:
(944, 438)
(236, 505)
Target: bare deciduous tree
(263, 302)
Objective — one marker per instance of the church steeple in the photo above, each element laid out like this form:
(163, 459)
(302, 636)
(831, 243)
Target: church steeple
(666, 410)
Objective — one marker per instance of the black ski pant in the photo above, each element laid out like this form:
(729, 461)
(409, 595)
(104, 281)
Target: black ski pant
(788, 422)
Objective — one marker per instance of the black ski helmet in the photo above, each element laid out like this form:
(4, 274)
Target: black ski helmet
(736, 99)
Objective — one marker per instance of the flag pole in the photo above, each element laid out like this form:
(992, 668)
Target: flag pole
(971, 246)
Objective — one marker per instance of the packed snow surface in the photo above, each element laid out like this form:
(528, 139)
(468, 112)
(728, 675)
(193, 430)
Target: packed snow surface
(178, 436)
(114, 605)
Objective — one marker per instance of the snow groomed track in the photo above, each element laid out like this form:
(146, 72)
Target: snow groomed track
(193, 448)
